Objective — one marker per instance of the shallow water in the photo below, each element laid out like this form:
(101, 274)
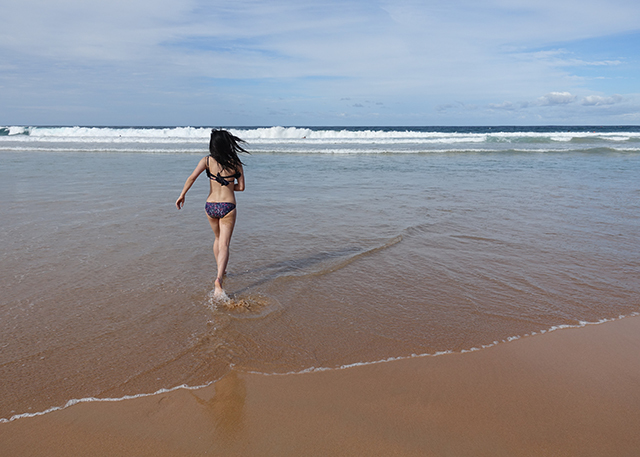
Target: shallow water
(336, 259)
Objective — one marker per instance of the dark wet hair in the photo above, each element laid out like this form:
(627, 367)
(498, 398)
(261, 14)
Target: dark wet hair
(224, 148)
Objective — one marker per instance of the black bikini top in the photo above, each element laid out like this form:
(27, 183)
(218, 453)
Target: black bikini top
(221, 179)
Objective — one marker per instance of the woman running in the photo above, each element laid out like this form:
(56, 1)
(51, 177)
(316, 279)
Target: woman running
(224, 169)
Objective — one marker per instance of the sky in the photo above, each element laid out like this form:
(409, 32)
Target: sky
(319, 63)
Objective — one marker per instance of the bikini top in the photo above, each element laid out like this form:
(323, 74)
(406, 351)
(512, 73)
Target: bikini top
(221, 179)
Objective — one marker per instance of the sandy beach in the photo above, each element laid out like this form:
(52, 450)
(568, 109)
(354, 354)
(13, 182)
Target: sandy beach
(570, 392)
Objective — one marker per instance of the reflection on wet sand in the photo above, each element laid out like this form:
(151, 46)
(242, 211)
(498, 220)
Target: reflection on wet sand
(225, 408)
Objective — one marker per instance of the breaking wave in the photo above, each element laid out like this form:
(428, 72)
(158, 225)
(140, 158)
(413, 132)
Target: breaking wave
(324, 139)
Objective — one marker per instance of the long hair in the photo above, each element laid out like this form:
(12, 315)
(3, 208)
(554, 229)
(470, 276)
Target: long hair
(224, 148)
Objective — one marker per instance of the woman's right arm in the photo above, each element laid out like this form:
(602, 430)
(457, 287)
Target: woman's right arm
(190, 180)
(239, 186)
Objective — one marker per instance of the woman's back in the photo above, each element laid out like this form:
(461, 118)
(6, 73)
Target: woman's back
(223, 182)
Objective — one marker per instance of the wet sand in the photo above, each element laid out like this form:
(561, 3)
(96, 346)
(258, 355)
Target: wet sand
(106, 284)
(571, 392)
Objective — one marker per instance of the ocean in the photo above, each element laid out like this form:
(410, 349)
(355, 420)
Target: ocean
(352, 246)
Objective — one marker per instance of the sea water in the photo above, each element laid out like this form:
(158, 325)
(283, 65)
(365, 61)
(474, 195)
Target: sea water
(352, 245)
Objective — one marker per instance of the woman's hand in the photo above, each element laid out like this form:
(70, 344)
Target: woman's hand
(190, 180)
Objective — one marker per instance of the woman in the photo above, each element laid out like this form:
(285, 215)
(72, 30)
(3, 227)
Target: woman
(224, 169)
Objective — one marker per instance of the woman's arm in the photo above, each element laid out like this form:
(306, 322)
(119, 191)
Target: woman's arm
(239, 186)
(190, 180)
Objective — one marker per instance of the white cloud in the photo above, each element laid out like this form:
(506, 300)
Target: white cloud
(556, 98)
(563, 58)
(77, 29)
(504, 105)
(598, 100)
(560, 98)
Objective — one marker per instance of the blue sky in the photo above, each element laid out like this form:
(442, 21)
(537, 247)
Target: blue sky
(348, 62)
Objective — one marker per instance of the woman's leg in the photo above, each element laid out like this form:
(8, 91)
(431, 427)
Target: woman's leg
(222, 229)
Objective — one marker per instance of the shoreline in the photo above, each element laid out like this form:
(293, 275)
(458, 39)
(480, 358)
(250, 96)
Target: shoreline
(76, 401)
(570, 392)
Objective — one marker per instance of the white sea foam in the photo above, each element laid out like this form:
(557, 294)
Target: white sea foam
(300, 140)
(267, 135)
(312, 369)
(99, 400)
(581, 324)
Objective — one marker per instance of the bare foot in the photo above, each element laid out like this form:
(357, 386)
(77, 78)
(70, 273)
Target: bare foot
(219, 291)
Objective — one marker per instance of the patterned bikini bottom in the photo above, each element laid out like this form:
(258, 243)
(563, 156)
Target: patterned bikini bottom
(217, 210)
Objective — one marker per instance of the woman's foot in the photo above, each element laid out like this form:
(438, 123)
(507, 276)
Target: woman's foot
(219, 291)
